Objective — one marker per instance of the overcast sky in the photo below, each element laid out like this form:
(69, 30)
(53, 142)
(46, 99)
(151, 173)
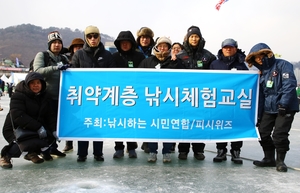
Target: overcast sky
(274, 22)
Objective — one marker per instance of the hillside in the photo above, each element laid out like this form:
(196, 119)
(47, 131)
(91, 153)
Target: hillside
(24, 41)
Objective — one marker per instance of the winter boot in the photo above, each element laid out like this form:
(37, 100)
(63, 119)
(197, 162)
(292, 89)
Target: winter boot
(199, 156)
(280, 165)
(68, 147)
(145, 147)
(132, 154)
(152, 157)
(119, 154)
(267, 161)
(5, 162)
(235, 156)
(182, 155)
(221, 155)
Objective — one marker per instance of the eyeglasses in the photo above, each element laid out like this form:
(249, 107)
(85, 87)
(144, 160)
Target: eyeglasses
(90, 36)
(176, 48)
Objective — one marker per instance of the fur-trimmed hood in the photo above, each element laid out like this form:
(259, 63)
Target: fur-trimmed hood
(260, 48)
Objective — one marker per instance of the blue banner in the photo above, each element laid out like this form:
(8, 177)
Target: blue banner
(158, 105)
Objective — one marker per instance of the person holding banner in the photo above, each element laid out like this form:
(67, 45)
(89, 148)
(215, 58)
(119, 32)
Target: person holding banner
(50, 70)
(31, 111)
(145, 43)
(194, 56)
(229, 58)
(92, 55)
(279, 84)
(76, 44)
(161, 59)
(126, 57)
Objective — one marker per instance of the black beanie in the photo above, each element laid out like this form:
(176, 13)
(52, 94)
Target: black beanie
(193, 30)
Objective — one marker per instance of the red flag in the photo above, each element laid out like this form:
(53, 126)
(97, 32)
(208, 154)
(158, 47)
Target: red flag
(218, 6)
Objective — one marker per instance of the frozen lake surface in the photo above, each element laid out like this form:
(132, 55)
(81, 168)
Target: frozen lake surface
(138, 176)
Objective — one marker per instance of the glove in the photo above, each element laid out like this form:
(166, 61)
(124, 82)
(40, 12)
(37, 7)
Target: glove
(258, 123)
(63, 66)
(42, 132)
(281, 111)
(55, 136)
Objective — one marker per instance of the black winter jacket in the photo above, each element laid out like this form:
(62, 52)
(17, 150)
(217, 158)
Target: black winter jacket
(130, 58)
(198, 58)
(29, 110)
(88, 57)
(152, 62)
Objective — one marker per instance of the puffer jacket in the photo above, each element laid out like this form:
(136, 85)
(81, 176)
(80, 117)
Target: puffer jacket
(152, 62)
(198, 58)
(236, 61)
(281, 74)
(49, 71)
(90, 57)
(29, 110)
(130, 58)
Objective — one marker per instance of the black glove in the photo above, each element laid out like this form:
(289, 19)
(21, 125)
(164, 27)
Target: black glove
(258, 123)
(63, 66)
(281, 111)
(42, 132)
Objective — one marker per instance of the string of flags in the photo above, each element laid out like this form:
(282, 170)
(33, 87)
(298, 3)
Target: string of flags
(218, 6)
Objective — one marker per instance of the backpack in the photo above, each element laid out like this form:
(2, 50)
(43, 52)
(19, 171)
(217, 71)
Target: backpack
(47, 59)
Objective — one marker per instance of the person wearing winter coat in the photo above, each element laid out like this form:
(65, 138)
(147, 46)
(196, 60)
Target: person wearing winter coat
(229, 58)
(126, 57)
(145, 41)
(30, 109)
(161, 59)
(194, 56)
(50, 70)
(76, 44)
(92, 55)
(279, 84)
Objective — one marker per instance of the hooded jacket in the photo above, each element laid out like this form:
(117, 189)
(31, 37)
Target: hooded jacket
(130, 58)
(29, 110)
(280, 74)
(195, 58)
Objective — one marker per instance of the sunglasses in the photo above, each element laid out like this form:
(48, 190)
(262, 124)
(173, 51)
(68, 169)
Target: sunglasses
(90, 36)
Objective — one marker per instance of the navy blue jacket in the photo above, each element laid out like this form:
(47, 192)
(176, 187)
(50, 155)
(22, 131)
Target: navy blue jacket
(236, 61)
(281, 73)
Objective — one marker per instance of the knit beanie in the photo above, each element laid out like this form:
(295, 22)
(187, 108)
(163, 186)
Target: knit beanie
(162, 55)
(163, 40)
(193, 30)
(91, 30)
(52, 36)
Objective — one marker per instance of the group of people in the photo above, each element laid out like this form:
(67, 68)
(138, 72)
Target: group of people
(277, 95)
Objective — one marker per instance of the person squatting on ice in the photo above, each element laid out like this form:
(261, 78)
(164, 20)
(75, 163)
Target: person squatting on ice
(30, 109)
